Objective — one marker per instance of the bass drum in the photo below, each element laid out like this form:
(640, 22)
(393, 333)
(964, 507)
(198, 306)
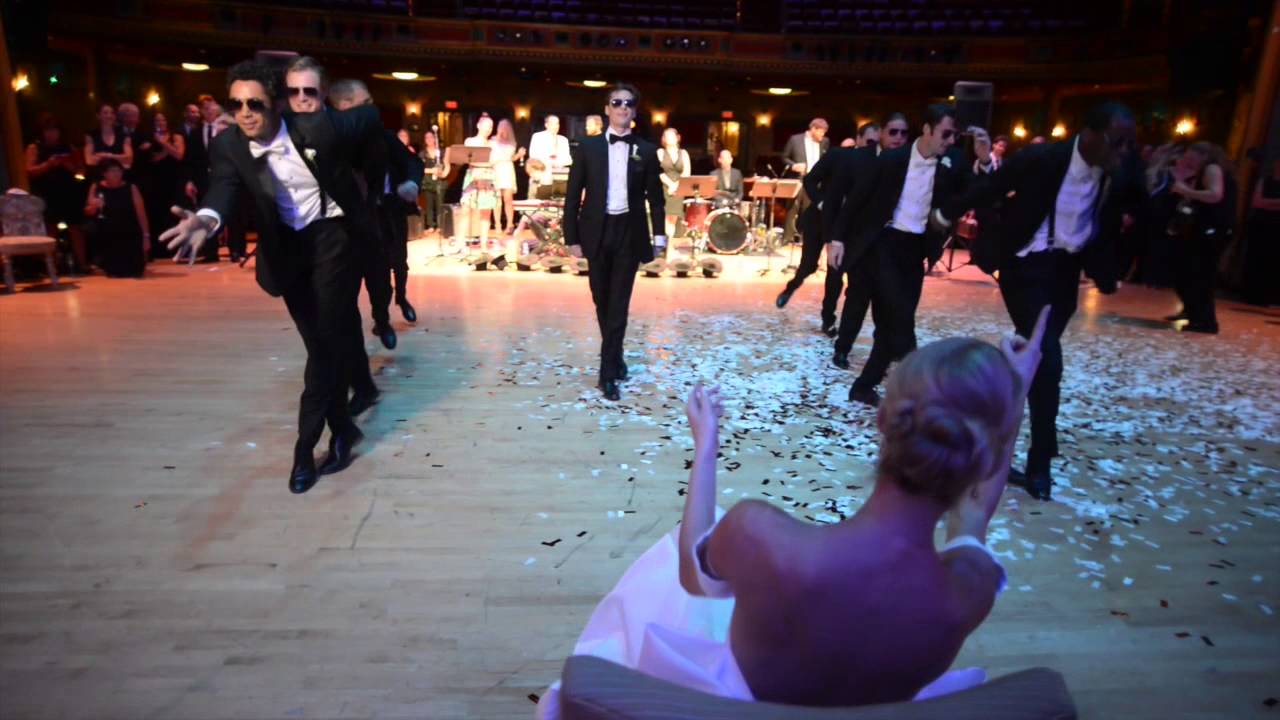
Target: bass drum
(726, 231)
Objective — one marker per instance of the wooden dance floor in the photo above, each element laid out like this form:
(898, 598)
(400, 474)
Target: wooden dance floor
(154, 565)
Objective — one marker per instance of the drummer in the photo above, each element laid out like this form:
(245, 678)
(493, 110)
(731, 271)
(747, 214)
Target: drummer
(675, 164)
(728, 178)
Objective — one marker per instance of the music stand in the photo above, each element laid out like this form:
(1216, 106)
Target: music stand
(698, 188)
(464, 154)
(773, 190)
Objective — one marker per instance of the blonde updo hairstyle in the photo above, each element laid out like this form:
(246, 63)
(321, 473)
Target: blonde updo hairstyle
(949, 409)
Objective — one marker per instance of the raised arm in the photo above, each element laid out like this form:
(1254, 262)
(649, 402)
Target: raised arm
(1212, 191)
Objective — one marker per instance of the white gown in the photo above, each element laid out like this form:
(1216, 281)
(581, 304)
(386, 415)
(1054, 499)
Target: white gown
(649, 623)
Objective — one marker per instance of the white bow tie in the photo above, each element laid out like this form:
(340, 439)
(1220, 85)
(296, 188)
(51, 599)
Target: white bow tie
(279, 146)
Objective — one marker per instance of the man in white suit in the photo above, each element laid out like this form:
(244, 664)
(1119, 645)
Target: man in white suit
(550, 149)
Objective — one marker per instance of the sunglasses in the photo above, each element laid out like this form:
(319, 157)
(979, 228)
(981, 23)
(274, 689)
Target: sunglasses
(895, 132)
(948, 134)
(310, 92)
(254, 105)
(622, 102)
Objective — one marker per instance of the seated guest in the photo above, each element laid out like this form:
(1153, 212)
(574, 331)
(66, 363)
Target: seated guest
(861, 612)
(121, 236)
(728, 177)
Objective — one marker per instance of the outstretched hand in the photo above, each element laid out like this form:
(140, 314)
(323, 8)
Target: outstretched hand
(1024, 353)
(190, 232)
(704, 409)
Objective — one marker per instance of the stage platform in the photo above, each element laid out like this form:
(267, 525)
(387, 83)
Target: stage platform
(154, 565)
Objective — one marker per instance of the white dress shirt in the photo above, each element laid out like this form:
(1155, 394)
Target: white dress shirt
(1073, 222)
(617, 202)
(912, 213)
(812, 152)
(297, 192)
(551, 150)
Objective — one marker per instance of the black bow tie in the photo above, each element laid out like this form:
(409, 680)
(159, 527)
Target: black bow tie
(628, 139)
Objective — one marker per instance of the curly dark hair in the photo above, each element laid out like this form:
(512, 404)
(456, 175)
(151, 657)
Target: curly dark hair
(271, 79)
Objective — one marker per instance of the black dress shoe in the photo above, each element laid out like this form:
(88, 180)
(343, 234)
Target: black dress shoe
(407, 311)
(864, 395)
(1038, 483)
(303, 476)
(1201, 327)
(784, 297)
(386, 334)
(340, 452)
(362, 401)
(623, 374)
(610, 390)
(831, 330)
(840, 360)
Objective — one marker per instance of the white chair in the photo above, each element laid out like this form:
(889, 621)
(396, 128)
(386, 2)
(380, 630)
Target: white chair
(22, 232)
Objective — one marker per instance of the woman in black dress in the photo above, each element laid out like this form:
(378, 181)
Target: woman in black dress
(161, 189)
(51, 165)
(1202, 227)
(121, 235)
(106, 142)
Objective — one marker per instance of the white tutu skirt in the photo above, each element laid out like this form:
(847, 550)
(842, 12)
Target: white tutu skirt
(649, 623)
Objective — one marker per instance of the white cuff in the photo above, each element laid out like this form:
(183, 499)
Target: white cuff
(211, 213)
(937, 216)
(660, 240)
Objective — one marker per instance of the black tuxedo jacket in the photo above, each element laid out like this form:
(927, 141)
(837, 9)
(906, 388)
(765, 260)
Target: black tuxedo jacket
(390, 156)
(874, 189)
(196, 159)
(1026, 189)
(793, 151)
(588, 189)
(339, 141)
(734, 187)
(826, 184)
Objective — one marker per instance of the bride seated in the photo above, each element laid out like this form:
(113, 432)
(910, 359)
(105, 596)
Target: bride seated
(758, 605)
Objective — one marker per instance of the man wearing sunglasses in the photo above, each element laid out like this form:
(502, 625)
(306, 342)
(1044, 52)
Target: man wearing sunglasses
(1062, 208)
(610, 180)
(297, 170)
(881, 236)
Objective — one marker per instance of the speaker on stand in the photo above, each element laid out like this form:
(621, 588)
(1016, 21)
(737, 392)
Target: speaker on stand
(973, 104)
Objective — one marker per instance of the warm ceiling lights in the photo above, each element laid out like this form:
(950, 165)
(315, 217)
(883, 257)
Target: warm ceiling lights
(20, 82)
(1059, 131)
(763, 120)
(594, 83)
(779, 91)
(195, 67)
(405, 75)
(153, 98)
(1185, 126)
(1019, 131)
(659, 117)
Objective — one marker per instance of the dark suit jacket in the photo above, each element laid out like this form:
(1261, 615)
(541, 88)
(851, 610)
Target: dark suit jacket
(1034, 175)
(339, 139)
(195, 161)
(826, 184)
(584, 215)
(874, 190)
(793, 151)
(735, 182)
(390, 156)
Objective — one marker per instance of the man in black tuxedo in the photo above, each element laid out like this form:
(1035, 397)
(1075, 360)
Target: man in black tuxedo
(297, 169)
(199, 136)
(604, 220)
(1062, 212)
(801, 153)
(390, 176)
(882, 235)
(857, 294)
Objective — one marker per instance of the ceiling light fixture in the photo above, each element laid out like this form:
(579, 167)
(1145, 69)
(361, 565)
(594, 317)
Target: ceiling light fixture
(195, 67)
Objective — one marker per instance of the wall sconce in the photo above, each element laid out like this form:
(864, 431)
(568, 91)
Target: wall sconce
(1058, 131)
(153, 98)
(522, 113)
(659, 117)
(413, 108)
(1020, 131)
(1186, 126)
(21, 82)
(763, 120)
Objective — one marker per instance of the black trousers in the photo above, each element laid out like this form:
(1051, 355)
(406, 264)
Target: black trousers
(612, 274)
(810, 248)
(798, 206)
(896, 269)
(395, 231)
(376, 266)
(857, 299)
(433, 197)
(322, 303)
(1027, 284)
(1195, 274)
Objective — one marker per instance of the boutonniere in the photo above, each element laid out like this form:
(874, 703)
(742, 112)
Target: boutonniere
(310, 154)
(635, 152)
(946, 161)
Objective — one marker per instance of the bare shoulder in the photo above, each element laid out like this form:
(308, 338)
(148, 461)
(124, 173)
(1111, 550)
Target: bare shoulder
(972, 580)
(753, 542)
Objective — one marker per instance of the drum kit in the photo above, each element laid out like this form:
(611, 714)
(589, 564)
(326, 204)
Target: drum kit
(722, 224)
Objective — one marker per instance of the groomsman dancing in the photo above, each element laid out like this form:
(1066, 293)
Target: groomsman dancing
(606, 224)
(882, 236)
(1062, 211)
(297, 170)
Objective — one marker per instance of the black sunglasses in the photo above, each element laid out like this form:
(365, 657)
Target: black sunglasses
(619, 102)
(948, 134)
(254, 104)
(310, 92)
(895, 132)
